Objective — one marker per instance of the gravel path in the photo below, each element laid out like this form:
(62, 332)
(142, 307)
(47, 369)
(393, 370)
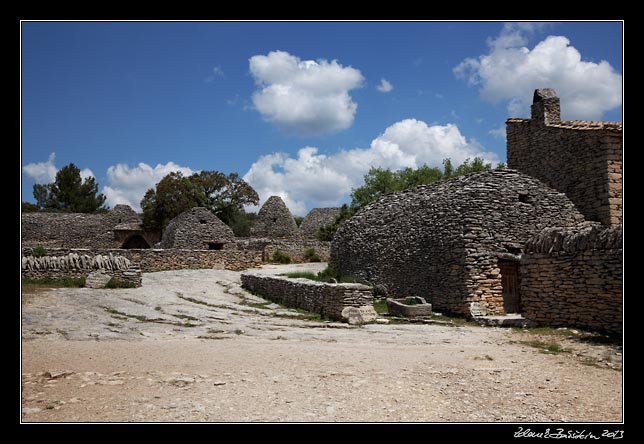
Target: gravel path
(191, 345)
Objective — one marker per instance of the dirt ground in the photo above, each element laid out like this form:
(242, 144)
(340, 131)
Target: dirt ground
(192, 345)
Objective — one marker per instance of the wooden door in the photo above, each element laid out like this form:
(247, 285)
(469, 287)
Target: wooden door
(510, 283)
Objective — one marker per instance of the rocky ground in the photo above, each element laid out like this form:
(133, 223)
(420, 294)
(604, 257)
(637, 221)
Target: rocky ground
(192, 345)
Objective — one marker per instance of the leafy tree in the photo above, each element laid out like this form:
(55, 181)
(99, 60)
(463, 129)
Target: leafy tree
(69, 193)
(28, 207)
(378, 182)
(298, 220)
(173, 195)
(224, 195)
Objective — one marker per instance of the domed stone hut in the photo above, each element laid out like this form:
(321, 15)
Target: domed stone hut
(316, 219)
(198, 229)
(274, 220)
(457, 243)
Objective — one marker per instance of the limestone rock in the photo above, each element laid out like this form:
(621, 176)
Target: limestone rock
(97, 279)
(359, 315)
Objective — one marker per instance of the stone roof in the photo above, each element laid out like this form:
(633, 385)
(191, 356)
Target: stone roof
(197, 229)
(274, 220)
(585, 236)
(316, 219)
(133, 226)
(576, 124)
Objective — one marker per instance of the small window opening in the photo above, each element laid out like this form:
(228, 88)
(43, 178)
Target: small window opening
(513, 250)
(523, 197)
(215, 246)
(202, 221)
(120, 220)
(274, 219)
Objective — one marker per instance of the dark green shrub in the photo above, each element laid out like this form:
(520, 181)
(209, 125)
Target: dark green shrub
(39, 251)
(311, 256)
(281, 258)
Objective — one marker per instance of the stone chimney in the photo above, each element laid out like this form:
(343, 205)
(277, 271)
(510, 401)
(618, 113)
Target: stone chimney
(545, 107)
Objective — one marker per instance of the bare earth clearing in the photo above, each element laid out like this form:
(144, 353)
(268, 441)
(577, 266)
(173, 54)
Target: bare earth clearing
(192, 345)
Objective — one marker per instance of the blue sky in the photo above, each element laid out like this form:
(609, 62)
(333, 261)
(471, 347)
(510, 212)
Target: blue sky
(301, 110)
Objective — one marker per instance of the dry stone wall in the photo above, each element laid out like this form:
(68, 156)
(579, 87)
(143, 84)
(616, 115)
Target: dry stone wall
(579, 158)
(295, 248)
(574, 278)
(151, 260)
(443, 242)
(316, 219)
(75, 265)
(329, 300)
(75, 230)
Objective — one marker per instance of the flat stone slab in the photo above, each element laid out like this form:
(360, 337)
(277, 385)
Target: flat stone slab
(97, 279)
(511, 320)
(359, 315)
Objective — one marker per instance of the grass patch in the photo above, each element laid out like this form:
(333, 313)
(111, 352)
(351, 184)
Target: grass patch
(183, 316)
(120, 313)
(381, 306)
(117, 283)
(239, 332)
(157, 308)
(261, 305)
(197, 301)
(48, 282)
(302, 275)
(545, 347)
(324, 277)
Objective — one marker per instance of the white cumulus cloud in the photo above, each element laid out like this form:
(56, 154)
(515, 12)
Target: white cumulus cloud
(499, 132)
(324, 180)
(42, 172)
(45, 172)
(128, 185)
(304, 96)
(511, 72)
(384, 86)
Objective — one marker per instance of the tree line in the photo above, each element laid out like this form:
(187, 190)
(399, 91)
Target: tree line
(227, 194)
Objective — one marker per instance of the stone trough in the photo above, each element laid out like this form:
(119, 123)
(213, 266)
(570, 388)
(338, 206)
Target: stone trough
(419, 308)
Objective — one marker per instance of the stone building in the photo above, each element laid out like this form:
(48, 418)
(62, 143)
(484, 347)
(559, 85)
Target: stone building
(316, 219)
(198, 229)
(573, 277)
(457, 243)
(118, 228)
(274, 220)
(582, 159)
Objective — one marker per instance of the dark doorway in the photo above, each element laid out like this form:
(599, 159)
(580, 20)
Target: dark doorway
(510, 283)
(135, 241)
(215, 246)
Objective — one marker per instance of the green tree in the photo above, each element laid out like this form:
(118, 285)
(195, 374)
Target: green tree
(378, 182)
(69, 193)
(28, 207)
(224, 195)
(173, 195)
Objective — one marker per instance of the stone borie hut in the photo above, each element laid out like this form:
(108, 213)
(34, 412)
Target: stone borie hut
(198, 229)
(274, 220)
(316, 219)
(458, 241)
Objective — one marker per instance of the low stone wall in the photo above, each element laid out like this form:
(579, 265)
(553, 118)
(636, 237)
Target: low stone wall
(151, 260)
(295, 248)
(73, 265)
(329, 300)
(574, 278)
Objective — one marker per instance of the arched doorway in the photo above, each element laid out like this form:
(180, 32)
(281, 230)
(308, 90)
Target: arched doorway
(135, 241)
